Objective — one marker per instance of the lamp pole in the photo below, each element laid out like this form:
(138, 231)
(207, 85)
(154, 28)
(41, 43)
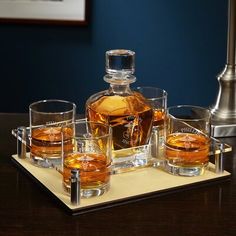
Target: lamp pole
(224, 109)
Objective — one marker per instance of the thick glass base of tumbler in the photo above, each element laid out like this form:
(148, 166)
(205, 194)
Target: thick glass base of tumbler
(187, 171)
(45, 162)
(90, 192)
(87, 193)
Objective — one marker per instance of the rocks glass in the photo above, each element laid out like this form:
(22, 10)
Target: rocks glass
(47, 117)
(187, 140)
(90, 153)
(157, 98)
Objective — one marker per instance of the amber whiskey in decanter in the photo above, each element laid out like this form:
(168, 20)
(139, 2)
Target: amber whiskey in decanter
(128, 112)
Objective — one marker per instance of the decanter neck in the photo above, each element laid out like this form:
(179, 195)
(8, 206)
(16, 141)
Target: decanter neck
(120, 78)
(119, 89)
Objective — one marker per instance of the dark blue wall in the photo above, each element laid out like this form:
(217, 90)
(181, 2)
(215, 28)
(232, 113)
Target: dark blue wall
(180, 46)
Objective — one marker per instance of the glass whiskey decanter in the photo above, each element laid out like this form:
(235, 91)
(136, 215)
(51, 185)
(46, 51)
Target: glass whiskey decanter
(128, 112)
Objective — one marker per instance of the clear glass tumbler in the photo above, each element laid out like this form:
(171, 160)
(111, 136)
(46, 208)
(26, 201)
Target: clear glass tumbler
(90, 153)
(47, 117)
(187, 140)
(157, 98)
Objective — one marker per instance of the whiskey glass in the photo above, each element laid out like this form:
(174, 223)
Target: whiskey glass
(187, 140)
(157, 98)
(47, 117)
(90, 153)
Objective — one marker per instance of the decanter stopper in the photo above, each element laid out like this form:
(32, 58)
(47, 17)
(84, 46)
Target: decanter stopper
(120, 64)
(120, 61)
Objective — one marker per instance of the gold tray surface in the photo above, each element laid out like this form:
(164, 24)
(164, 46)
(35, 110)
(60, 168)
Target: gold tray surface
(124, 187)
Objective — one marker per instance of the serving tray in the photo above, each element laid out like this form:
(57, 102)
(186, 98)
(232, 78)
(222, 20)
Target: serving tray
(125, 187)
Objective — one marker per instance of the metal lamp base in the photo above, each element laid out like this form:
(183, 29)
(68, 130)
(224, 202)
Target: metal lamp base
(224, 111)
(223, 130)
